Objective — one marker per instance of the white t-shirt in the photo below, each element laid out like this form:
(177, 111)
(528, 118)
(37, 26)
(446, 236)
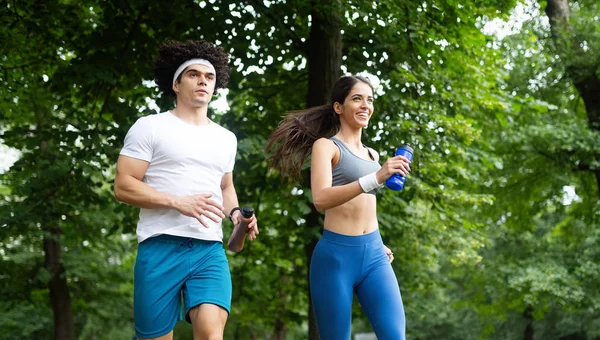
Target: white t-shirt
(185, 159)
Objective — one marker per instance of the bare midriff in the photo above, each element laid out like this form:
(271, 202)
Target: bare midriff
(355, 217)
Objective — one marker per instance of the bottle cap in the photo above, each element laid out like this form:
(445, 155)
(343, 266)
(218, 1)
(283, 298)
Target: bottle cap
(407, 147)
(247, 212)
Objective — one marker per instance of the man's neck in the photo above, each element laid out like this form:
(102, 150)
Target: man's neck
(192, 115)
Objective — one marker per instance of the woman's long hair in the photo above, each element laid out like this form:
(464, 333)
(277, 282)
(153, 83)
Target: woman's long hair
(292, 140)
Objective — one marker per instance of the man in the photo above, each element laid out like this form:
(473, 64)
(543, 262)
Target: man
(177, 167)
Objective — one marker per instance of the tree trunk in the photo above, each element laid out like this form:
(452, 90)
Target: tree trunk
(584, 77)
(280, 331)
(324, 51)
(589, 89)
(529, 324)
(558, 14)
(59, 290)
(324, 59)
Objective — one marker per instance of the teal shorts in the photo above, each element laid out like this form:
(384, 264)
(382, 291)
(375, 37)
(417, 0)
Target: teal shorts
(169, 269)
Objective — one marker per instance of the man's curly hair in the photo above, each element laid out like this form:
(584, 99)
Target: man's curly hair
(171, 54)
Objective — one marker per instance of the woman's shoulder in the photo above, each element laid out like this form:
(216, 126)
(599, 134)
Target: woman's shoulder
(323, 143)
(325, 146)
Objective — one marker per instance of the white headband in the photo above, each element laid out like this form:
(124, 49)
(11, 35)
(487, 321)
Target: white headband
(192, 62)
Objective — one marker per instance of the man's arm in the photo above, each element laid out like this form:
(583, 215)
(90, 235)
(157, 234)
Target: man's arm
(130, 189)
(230, 201)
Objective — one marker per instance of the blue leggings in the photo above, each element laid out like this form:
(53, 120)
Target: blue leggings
(342, 265)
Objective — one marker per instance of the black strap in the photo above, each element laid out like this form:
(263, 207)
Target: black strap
(232, 211)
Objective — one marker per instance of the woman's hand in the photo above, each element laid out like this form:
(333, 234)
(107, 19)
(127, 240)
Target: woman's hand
(389, 253)
(393, 165)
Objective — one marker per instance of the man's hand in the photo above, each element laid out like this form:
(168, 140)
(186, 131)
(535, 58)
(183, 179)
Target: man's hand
(200, 205)
(251, 229)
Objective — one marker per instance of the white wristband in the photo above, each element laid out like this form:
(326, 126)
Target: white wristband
(369, 182)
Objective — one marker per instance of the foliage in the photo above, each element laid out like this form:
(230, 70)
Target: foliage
(482, 233)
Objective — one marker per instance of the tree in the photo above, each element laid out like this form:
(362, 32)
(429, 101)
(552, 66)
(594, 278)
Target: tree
(441, 123)
(534, 279)
(438, 88)
(576, 47)
(62, 107)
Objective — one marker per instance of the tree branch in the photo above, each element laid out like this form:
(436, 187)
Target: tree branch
(277, 20)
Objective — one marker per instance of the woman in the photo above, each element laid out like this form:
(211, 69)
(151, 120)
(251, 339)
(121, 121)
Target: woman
(345, 175)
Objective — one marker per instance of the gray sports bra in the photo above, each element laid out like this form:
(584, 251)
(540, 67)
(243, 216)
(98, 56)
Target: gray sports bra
(350, 167)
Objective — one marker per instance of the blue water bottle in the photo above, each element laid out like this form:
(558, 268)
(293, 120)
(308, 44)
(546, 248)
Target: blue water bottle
(396, 181)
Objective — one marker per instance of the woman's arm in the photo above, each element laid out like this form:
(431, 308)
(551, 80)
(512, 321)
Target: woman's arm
(324, 195)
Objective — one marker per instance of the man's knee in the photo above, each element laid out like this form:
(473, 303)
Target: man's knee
(208, 322)
(208, 334)
(207, 331)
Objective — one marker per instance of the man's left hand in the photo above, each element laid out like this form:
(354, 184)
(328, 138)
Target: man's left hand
(251, 228)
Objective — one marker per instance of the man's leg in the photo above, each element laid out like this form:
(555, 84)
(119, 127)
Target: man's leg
(159, 275)
(207, 290)
(168, 336)
(208, 321)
